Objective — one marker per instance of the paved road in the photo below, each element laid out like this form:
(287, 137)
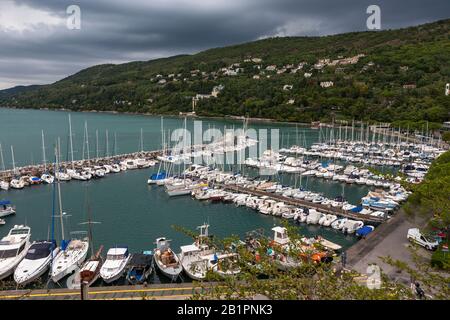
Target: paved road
(389, 239)
(160, 291)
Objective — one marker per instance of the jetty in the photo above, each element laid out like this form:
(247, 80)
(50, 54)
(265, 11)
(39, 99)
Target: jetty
(304, 203)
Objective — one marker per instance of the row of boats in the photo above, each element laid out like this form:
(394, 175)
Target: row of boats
(28, 261)
(197, 181)
(82, 174)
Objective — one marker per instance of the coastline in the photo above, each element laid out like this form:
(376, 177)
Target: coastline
(227, 117)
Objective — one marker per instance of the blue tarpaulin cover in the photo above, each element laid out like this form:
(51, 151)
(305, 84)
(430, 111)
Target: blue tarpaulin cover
(364, 231)
(357, 209)
(4, 202)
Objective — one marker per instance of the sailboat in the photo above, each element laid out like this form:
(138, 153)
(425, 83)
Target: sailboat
(90, 271)
(39, 256)
(73, 252)
(16, 183)
(46, 176)
(116, 261)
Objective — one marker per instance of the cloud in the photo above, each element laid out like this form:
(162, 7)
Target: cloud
(36, 47)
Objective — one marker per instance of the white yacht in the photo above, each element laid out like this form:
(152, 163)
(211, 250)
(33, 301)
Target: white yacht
(6, 208)
(36, 262)
(69, 259)
(13, 249)
(195, 258)
(115, 263)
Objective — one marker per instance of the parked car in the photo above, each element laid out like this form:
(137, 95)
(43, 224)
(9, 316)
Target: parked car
(416, 236)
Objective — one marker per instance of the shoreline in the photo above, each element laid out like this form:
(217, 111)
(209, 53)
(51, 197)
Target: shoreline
(112, 112)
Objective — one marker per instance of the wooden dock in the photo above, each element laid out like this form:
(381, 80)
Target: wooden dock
(304, 203)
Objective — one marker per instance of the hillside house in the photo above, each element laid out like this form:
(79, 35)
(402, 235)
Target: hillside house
(326, 84)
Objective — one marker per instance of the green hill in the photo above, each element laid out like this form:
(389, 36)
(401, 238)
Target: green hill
(401, 76)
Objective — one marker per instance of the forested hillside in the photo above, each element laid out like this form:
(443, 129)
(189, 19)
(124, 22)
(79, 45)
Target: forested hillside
(392, 75)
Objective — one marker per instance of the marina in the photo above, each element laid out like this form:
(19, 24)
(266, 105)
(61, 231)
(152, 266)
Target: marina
(327, 199)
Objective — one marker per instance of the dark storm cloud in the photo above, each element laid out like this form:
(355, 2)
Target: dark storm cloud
(115, 31)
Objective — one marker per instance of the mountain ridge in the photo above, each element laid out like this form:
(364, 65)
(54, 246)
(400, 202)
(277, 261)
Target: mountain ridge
(410, 69)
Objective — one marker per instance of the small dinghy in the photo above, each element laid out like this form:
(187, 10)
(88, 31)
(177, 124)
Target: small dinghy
(140, 267)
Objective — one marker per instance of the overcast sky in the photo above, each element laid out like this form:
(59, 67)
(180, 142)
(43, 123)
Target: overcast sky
(36, 47)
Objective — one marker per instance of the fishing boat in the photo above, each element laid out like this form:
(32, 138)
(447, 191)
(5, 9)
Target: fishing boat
(279, 245)
(89, 273)
(166, 260)
(13, 249)
(36, 262)
(195, 258)
(116, 261)
(140, 267)
(225, 264)
(2, 222)
(6, 208)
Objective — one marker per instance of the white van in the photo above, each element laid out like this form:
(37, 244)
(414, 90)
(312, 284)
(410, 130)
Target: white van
(414, 235)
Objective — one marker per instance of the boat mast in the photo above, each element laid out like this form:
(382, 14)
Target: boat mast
(13, 161)
(142, 141)
(87, 142)
(43, 152)
(115, 143)
(89, 222)
(71, 142)
(96, 145)
(1, 158)
(107, 143)
(59, 190)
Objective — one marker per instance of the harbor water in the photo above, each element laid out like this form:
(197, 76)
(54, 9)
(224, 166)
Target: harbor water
(130, 211)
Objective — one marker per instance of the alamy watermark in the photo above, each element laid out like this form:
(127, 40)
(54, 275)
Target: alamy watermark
(74, 17)
(225, 147)
(373, 22)
(373, 277)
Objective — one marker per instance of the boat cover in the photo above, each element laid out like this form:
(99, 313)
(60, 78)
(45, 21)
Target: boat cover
(140, 259)
(357, 209)
(4, 202)
(364, 231)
